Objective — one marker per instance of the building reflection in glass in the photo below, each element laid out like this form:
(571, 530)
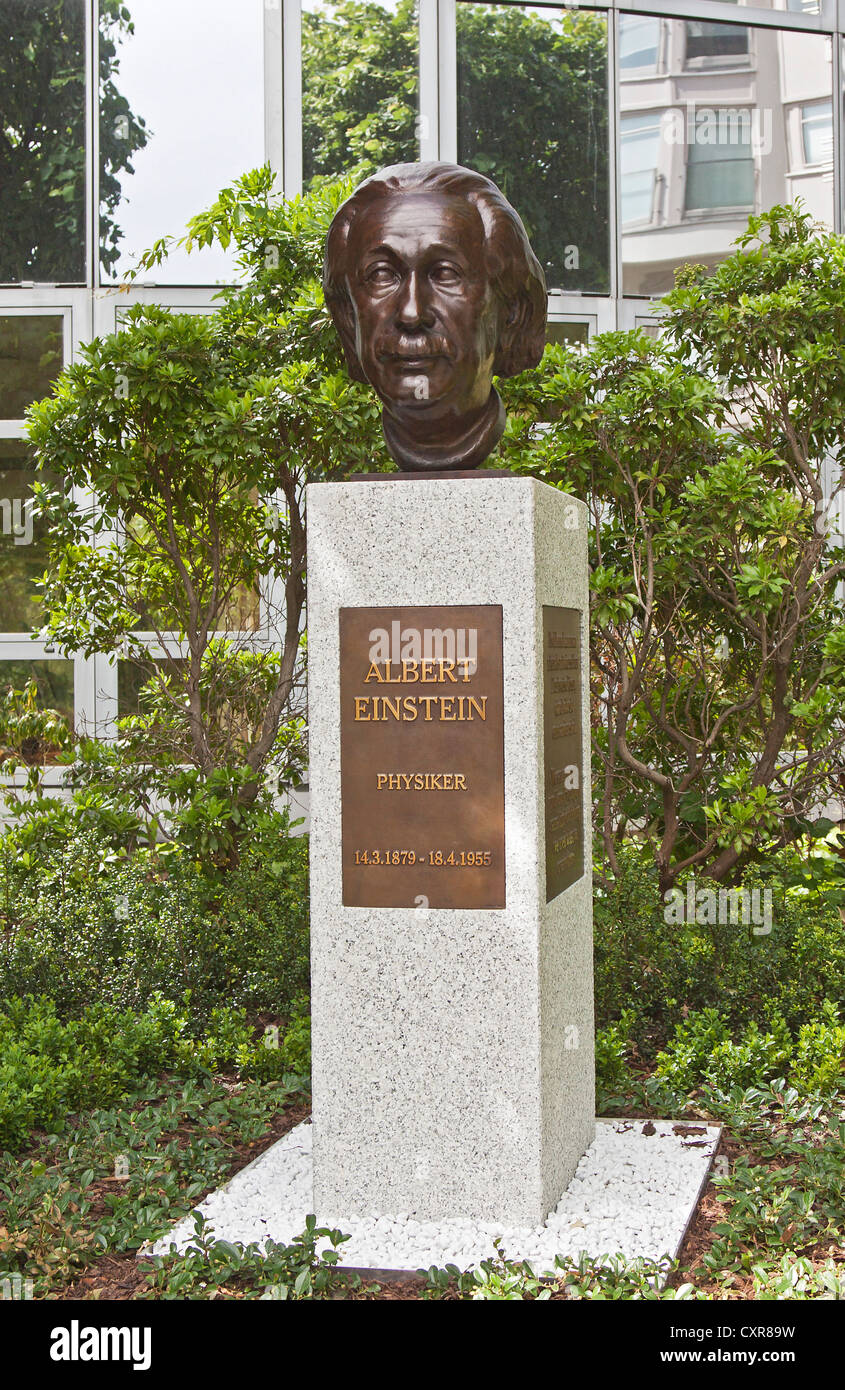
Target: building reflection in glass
(717, 121)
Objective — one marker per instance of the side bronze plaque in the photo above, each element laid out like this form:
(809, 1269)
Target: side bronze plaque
(562, 744)
(422, 757)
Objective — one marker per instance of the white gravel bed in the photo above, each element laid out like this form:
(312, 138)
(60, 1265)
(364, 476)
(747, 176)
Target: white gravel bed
(633, 1193)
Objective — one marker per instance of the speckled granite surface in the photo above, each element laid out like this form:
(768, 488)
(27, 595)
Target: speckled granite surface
(445, 1079)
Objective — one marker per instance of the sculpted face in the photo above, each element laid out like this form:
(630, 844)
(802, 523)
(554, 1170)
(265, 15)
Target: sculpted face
(426, 318)
(431, 282)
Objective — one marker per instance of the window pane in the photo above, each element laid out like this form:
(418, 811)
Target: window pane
(130, 679)
(132, 676)
(638, 41)
(562, 332)
(42, 140)
(817, 129)
(181, 116)
(31, 353)
(360, 86)
(720, 169)
(23, 549)
(715, 134)
(532, 114)
(739, 133)
(639, 137)
(709, 43)
(53, 680)
(721, 184)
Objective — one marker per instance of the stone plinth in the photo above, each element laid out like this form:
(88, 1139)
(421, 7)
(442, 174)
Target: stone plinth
(453, 1068)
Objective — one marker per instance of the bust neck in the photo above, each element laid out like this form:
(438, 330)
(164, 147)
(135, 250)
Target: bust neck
(463, 451)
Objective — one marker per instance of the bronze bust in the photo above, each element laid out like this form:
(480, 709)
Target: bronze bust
(434, 289)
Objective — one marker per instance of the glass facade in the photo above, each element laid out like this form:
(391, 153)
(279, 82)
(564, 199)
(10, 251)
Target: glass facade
(360, 87)
(718, 121)
(30, 360)
(532, 101)
(180, 115)
(54, 681)
(631, 140)
(42, 140)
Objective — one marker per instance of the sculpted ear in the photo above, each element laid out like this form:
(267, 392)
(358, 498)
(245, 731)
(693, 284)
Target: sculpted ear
(522, 337)
(344, 321)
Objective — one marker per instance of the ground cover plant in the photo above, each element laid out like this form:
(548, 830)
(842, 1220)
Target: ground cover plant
(117, 1120)
(76, 1207)
(119, 1174)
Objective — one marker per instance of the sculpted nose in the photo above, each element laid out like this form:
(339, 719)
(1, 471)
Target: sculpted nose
(414, 308)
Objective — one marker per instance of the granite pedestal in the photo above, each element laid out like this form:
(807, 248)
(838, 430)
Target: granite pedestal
(453, 1071)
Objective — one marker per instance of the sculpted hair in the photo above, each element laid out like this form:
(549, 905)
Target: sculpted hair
(515, 273)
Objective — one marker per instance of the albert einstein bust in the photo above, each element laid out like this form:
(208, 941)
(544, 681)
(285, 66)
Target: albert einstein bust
(434, 289)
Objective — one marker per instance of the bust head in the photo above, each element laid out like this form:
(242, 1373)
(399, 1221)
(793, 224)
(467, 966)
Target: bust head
(434, 289)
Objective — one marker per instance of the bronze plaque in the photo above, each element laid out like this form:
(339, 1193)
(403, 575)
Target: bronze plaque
(422, 759)
(562, 744)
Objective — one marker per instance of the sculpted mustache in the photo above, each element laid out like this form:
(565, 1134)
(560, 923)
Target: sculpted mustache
(432, 345)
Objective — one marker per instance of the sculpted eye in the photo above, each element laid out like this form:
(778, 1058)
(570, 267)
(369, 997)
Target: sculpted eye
(381, 274)
(446, 274)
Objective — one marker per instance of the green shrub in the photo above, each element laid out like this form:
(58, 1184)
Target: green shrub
(818, 1059)
(279, 1053)
(83, 923)
(613, 1076)
(663, 970)
(50, 1068)
(703, 1053)
(296, 1048)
